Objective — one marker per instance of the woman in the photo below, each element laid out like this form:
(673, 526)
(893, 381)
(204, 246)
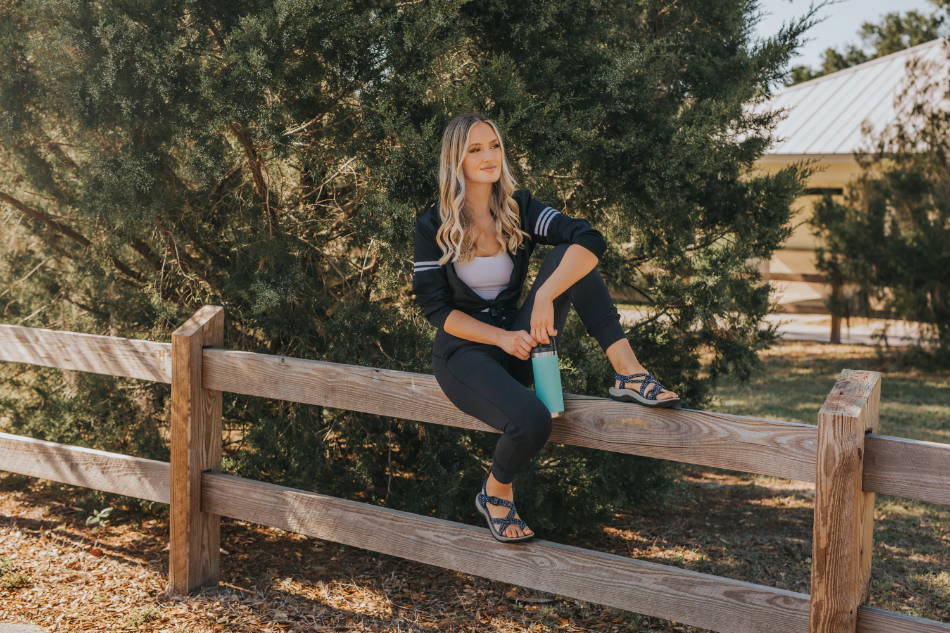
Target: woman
(471, 260)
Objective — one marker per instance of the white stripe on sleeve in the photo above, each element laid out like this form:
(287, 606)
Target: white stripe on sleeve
(429, 264)
(541, 217)
(547, 221)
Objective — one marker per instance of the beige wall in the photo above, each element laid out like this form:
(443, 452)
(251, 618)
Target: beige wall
(797, 254)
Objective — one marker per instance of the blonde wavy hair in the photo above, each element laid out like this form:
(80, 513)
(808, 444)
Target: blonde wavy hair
(456, 242)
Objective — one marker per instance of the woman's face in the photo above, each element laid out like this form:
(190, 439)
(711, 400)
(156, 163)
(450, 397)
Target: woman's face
(483, 155)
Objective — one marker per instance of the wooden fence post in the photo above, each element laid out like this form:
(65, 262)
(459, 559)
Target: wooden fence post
(844, 512)
(835, 317)
(194, 536)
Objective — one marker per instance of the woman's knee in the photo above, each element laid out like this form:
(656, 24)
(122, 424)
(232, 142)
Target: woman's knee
(533, 422)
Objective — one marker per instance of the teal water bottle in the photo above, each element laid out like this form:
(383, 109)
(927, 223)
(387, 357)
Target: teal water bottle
(547, 377)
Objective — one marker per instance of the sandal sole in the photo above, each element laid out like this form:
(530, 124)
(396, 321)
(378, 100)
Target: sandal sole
(629, 395)
(494, 531)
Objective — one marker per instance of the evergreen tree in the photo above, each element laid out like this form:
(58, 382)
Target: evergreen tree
(894, 32)
(270, 157)
(890, 236)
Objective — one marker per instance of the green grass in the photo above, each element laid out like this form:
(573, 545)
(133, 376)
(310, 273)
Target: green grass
(798, 377)
(910, 570)
(11, 577)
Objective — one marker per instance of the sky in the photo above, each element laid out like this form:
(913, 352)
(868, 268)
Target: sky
(840, 26)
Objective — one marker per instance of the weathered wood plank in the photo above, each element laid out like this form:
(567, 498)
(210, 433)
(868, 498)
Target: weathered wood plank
(893, 465)
(148, 479)
(196, 446)
(844, 511)
(110, 355)
(913, 469)
(86, 467)
(703, 600)
(874, 620)
(757, 445)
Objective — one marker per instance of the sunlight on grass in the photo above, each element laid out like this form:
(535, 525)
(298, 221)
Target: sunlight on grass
(906, 508)
(781, 502)
(797, 377)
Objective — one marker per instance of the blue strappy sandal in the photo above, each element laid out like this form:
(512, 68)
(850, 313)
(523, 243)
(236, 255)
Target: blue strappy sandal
(641, 395)
(482, 498)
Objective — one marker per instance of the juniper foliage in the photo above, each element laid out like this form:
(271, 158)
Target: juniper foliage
(270, 157)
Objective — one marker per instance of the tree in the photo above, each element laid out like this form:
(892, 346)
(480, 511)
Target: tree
(271, 157)
(895, 32)
(891, 234)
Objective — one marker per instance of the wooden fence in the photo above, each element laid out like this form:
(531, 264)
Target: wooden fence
(843, 455)
(836, 285)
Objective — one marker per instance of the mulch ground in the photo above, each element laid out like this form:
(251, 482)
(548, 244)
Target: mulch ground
(58, 573)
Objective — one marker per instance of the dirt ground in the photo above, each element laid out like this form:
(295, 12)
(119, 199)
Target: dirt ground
(58, 573)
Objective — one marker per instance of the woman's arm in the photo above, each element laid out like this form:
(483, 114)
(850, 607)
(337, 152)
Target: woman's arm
(515, 342)
(468, 327)
(576, 262)
(549, 226)
(430, 286)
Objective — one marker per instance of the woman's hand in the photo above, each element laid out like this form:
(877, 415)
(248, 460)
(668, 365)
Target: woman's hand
(542, 318)
(517, 343)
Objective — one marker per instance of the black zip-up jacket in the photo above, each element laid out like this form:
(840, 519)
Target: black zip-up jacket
(438, 290)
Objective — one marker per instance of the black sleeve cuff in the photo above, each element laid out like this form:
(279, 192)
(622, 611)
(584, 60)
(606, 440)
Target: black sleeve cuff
(593, 241)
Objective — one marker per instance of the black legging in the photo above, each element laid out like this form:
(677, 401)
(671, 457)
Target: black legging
(492, 385)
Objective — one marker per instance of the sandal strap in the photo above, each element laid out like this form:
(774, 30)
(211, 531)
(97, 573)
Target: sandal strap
(498, 501)
(505, 521)
(646, 381)
(625, 378)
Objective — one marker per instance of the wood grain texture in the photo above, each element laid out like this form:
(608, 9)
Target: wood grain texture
(912, 469)
(756, 445)
(110, 355)
(844, 511)
(874, 620)
(86, 467)
(266, 505)
(196, 446)
(895, 466)
(688, 597)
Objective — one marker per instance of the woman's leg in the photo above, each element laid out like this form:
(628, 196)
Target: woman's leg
(589, 296)
(591, 299)
(474, 379)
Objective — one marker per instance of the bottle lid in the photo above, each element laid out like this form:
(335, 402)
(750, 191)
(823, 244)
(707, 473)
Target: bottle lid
(545, 348)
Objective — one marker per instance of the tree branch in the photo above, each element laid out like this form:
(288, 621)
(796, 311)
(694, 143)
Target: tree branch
(39, 216)
(258, 172)
(68, 231)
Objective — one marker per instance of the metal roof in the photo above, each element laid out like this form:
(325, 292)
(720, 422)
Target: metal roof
(825, 115)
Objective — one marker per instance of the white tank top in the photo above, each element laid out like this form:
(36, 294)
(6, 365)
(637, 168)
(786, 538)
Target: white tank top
(488, 275)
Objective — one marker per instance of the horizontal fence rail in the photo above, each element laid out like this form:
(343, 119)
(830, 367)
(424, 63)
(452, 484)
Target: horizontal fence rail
(789, 450)
(437, 542)
(896, 466)
(87, 467)
(694, 598)
(93, 353)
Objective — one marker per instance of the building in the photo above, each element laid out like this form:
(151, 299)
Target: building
(824, 123)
